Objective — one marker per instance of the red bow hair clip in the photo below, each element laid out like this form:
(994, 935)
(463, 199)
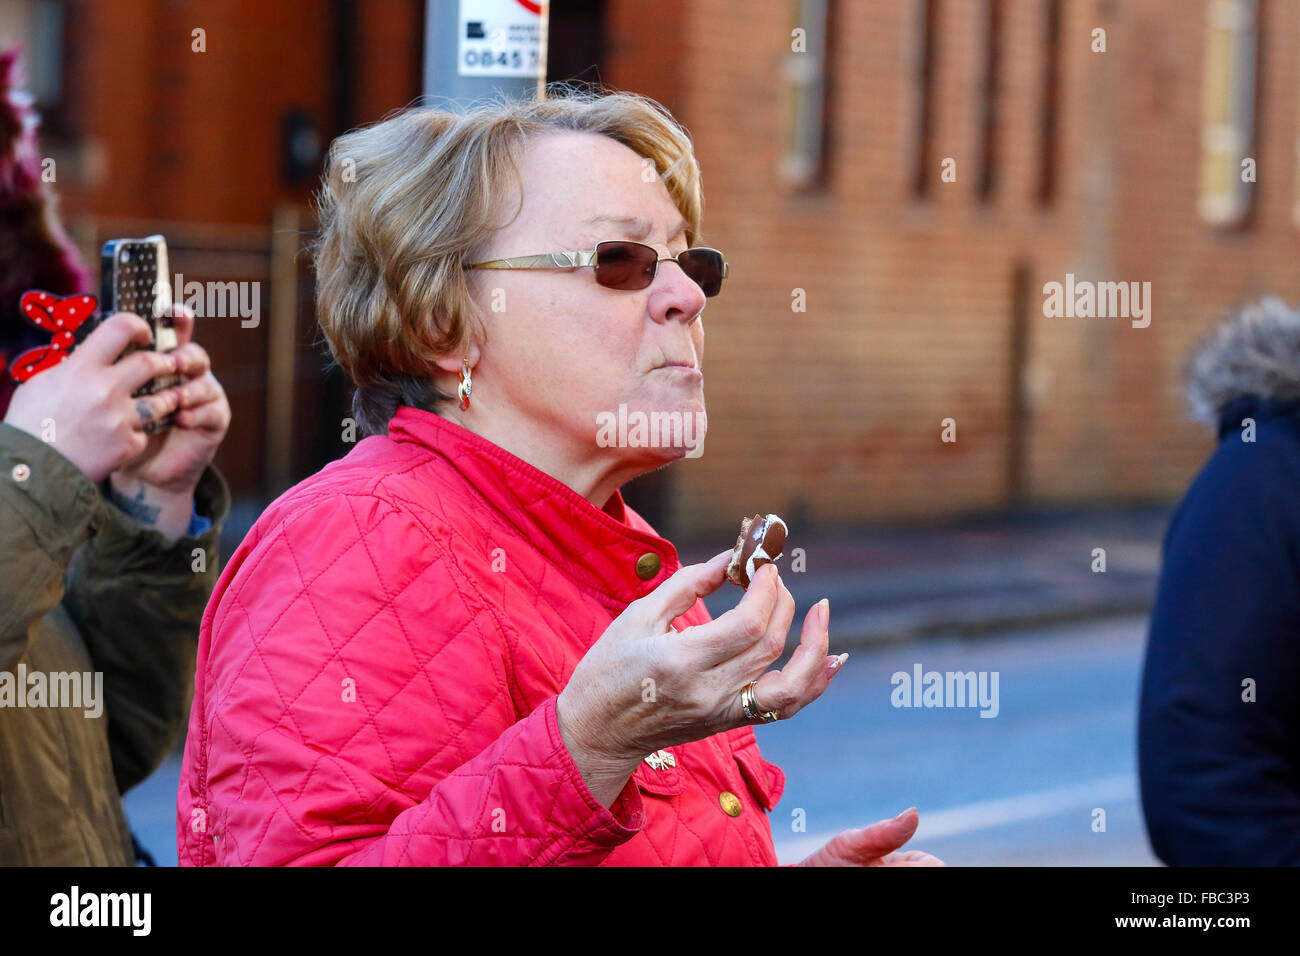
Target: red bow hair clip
(62, 317)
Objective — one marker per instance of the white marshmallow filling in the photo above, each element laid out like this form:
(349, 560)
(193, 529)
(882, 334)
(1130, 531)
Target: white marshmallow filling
(759, 552)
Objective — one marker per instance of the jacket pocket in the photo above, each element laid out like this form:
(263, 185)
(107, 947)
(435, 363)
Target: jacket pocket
(766, 781)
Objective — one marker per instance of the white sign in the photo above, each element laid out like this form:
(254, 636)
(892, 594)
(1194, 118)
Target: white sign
(500, 38)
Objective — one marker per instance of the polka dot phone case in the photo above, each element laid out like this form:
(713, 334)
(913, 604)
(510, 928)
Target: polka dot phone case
(134, 277)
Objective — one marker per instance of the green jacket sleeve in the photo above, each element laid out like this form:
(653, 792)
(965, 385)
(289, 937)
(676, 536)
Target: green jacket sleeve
(48, 509)
(138, 601)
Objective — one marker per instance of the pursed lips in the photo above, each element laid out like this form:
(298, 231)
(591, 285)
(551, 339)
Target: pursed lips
(681, 368)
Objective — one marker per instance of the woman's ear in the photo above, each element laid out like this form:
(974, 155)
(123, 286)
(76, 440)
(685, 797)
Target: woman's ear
(472, 334)
(451, 361)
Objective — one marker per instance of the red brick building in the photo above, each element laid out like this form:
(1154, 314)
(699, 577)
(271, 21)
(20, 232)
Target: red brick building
(1112, 157)
(924, 297)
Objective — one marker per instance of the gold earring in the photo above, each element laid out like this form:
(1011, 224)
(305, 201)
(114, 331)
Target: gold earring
(466, 383)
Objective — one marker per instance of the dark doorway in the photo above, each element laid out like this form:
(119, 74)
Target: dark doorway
(575, 48)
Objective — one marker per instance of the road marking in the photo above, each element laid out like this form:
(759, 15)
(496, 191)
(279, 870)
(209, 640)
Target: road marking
(986, 814)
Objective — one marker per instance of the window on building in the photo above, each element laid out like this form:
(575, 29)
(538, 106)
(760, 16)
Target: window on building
(805, 92)
(1047, 120)
(924, 51)
(1228, 109)
(988, 98)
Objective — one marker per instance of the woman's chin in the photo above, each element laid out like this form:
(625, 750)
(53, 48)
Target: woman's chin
(650, 459)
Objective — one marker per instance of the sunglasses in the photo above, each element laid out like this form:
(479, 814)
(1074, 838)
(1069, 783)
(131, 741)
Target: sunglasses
(626, 265)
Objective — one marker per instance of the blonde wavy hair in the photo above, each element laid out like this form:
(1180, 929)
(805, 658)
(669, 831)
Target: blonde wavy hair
(406, 203)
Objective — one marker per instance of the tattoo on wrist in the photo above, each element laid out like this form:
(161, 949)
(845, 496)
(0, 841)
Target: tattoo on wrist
(136, 507)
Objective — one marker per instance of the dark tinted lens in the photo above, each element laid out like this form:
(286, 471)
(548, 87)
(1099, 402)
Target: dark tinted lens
(704, 266)
(625, 265)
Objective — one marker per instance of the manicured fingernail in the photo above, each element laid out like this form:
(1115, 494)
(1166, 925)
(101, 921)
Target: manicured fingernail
(905, 813)
(825, 605)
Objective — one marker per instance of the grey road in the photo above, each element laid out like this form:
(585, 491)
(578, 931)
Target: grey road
(1019, 788)
(1024, 787)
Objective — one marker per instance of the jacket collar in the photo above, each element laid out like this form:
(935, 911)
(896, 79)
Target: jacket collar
(598, 547)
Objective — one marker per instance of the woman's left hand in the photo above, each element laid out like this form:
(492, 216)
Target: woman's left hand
(176, 457)
(875, 845)
(157, 487)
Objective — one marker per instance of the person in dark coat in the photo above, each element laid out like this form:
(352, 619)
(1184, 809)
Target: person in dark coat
(1219, 719)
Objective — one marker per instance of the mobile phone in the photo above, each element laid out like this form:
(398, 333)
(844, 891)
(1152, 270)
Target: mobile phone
(134, 278)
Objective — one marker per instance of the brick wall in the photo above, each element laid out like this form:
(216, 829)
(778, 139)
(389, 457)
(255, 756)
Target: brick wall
(911, 303)
(834, 413)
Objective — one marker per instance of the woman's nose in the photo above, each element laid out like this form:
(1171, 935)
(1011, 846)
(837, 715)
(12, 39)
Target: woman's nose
(682, 296)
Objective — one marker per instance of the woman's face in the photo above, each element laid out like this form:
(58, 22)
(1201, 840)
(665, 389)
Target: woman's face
(563, 353)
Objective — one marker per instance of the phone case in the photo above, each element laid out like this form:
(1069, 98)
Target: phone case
(134, 277)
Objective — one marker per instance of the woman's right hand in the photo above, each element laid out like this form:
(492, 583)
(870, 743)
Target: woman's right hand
(97, 425)
(644, 686)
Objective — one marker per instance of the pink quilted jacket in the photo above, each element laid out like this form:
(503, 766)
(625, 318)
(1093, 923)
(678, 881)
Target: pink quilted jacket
(378, 670)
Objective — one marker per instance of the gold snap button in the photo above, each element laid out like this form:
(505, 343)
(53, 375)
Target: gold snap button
(648, 565)
(21, 472)
(730, 803)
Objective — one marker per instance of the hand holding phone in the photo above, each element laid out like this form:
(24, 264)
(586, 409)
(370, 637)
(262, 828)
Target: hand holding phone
(85, 405)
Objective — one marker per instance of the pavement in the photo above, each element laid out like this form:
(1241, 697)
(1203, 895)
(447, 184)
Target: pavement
(982, 575)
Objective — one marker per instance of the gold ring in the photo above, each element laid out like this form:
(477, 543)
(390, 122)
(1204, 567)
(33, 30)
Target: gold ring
(751, 708)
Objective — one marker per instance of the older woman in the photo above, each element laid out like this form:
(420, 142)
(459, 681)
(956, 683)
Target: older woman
(458, 644)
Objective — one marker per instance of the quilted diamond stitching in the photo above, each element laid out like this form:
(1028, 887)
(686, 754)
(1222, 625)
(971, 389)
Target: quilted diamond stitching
(537, 581)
